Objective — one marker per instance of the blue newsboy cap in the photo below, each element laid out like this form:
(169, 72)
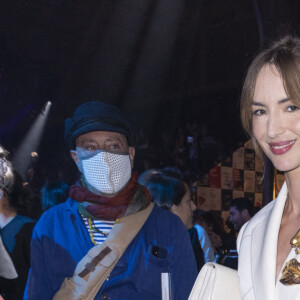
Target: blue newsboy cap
(96, 116)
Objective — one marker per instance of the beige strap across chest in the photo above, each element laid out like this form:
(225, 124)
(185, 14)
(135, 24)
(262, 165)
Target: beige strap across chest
(95, 267)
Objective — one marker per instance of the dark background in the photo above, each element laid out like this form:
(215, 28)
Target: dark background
(164, 63)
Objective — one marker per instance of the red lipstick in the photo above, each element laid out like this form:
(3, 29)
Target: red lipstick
(280, 148)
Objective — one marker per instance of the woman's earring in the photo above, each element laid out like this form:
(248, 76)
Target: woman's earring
(1, 194)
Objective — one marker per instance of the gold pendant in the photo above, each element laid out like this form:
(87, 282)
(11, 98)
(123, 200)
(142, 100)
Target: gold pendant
(295, 242)
(291, 273)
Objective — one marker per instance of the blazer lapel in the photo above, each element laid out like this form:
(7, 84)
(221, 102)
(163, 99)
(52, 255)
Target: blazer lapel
(264, 250)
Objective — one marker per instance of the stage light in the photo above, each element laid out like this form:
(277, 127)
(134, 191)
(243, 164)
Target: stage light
(46, 107)
(27, 150)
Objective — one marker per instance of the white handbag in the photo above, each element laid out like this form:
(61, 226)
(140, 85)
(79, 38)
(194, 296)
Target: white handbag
(216, 282)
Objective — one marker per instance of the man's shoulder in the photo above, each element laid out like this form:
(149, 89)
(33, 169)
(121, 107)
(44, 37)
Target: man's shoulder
(19, 221)
(165, 215)
(165, 221)
(69, 204)
(199, 229)
(57, 212)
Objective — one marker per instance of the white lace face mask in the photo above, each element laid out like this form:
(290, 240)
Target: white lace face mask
(104, 172)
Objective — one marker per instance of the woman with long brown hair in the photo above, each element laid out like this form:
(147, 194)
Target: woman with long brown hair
(268, 244)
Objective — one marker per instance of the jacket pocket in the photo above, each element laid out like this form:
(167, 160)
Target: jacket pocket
(156, 263)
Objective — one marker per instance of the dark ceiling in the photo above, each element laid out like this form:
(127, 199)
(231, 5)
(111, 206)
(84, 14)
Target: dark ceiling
(163, 62)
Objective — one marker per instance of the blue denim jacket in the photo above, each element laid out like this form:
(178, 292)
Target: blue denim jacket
(60, 240)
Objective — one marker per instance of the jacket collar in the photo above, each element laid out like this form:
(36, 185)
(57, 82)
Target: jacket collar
(266, 236)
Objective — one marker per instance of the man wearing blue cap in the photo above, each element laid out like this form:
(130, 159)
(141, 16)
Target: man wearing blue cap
(108, 240)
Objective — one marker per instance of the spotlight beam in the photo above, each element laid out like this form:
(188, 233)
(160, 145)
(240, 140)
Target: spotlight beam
(31, 141)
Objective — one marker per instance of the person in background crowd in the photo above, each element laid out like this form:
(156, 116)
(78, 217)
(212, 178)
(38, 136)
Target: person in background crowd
(8, 273)
(106, 200)
(35, 173)
(268, 245)
(173, 194)
(231, 233)
(215, 229)
(16, 227)
(203, 237)
(180, 153)
(241, 211)
(53, 193)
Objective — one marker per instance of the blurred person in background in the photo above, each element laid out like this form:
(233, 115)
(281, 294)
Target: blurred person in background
(221, 240)
(53, 193)
(173, 194)
(8, 273)
(199, 224)
(241, 211)
(16, 227)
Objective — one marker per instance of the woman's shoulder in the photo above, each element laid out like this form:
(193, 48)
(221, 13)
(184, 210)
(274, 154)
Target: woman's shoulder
(23, 220)
(263, 214)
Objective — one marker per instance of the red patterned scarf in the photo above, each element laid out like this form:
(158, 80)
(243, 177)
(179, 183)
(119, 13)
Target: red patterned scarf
(132, 199)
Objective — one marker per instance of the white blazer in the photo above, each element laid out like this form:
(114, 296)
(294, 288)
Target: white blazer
(257, 247)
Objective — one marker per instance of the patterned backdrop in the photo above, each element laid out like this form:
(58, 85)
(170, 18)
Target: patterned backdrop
(240, 175)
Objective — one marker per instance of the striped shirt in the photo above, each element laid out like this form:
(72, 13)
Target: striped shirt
(98, 229)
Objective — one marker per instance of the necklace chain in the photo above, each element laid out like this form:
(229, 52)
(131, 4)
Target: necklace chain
(93, 228)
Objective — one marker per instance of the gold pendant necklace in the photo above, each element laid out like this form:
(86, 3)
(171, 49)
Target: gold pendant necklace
(291, 271)
(295, 242)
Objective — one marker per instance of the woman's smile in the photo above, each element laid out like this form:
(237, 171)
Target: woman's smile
(282, 147)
